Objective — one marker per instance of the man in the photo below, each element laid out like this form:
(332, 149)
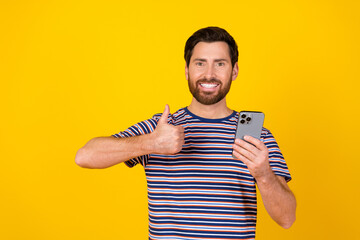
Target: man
(196, 188)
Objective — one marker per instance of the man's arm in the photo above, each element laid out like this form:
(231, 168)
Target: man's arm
(278, 199)
(103, 152)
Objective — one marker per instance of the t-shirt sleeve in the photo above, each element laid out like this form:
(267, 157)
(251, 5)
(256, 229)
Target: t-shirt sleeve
(141, 128)
(276, 159)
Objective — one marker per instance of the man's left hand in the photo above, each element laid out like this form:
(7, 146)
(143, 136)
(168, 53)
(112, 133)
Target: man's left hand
(256, 156)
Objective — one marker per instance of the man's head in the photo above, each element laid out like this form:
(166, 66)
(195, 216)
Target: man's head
(211, 34)
(211, 64)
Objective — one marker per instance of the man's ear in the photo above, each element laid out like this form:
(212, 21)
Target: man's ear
(186, 72)
(235, 71)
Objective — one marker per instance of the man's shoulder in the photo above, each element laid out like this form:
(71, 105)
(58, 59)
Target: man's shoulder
(265, 131)
(266, 134)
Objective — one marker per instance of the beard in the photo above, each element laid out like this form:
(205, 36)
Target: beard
(209, 98)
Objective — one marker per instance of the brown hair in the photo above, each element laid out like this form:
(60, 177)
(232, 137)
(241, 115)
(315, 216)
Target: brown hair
(211, 34)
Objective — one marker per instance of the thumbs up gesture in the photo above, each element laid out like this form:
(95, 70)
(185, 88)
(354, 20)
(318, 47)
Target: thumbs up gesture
(168, 139)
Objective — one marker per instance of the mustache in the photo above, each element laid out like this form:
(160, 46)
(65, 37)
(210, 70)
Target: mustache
(209, 81)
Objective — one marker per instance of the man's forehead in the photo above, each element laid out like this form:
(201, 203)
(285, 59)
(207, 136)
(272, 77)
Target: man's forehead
(218, 49)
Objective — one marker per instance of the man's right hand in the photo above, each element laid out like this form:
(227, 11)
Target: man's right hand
(168, 139)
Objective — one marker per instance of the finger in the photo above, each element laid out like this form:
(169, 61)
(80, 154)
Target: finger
(244, 152)
(255, 141)
(164, 117)
(181, 128)
(246, 145)
(183, 142)
(242, 158)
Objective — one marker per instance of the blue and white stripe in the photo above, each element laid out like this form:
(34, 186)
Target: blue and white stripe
(202, 192)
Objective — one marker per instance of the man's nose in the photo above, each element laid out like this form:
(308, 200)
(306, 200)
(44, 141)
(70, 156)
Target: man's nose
(210, 72)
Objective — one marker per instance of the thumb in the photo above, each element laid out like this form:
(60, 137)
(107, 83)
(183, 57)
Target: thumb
(164, 117)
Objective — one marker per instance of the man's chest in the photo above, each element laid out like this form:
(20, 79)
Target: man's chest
(206, 156)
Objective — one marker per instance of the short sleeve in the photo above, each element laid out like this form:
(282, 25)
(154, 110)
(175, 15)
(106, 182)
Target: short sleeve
(141, 128)
(276, 159)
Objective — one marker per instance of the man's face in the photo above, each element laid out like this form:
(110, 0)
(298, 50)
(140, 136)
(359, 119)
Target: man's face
(210, 72)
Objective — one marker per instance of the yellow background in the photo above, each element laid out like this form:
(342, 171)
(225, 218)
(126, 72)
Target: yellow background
(74, 70)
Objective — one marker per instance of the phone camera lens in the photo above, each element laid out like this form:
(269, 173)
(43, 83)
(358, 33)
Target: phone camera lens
(242, 121)
(243, 116)
(248, 119)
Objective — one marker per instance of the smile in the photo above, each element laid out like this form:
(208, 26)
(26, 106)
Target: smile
(209, 85)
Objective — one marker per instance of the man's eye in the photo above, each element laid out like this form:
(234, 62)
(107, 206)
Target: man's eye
(199, 64)
(220, 64)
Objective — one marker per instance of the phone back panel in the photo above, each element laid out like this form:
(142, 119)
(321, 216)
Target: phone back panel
(250, 123)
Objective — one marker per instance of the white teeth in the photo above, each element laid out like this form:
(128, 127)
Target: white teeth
(206, 85)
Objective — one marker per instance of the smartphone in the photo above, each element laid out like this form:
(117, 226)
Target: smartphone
(250, 123)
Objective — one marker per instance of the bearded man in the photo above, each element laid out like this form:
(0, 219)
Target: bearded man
(201, 180)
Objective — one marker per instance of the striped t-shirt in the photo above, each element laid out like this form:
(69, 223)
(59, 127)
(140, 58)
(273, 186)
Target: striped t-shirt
(202, 192)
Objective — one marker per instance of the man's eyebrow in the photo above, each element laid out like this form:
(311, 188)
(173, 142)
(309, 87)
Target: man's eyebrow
(216, 60)
(200, 59)
(221, 60)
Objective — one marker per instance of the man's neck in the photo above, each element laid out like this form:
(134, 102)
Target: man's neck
(214, 111)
